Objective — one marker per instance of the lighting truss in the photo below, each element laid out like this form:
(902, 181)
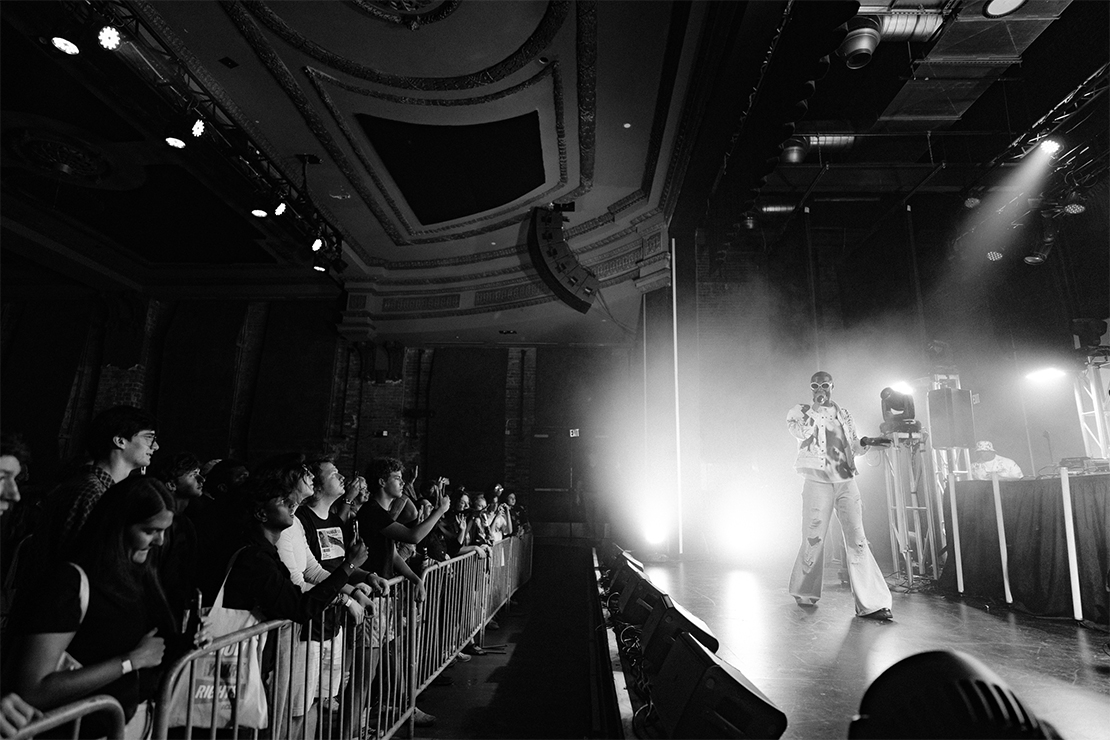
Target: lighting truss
(153, 61)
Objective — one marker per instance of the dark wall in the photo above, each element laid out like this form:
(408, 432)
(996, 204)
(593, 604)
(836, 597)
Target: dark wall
(293, 390)
(40, 360)
(197, 379)
(466, 434)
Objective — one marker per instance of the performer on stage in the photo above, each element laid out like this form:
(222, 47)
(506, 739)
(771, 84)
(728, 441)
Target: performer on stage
(988, 462)
(826, 459)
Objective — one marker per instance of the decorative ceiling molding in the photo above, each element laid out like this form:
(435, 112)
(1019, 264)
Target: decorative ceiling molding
(546, 30)
(408, 13)
(319, 81)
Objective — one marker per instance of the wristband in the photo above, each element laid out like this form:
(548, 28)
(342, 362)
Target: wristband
(126, 666)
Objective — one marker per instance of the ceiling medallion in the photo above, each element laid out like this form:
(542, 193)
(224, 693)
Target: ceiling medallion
(412, 14)
(62, 157)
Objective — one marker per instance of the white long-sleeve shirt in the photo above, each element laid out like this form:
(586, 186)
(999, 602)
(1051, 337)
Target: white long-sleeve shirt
(304, 569)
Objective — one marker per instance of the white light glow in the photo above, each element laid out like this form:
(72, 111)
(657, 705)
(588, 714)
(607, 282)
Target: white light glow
(109, 38)
(1045, 374)
(903, 387)
(994, 255)
(1050, 146)
(65, 46)
(655, 524)
(175, 142)
(319, 268)
(317, 244)
(198, 128)
(258, 213)
(280, 208)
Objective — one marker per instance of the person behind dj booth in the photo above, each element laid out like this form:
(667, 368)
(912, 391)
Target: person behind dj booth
(827, 447)
(989, 463)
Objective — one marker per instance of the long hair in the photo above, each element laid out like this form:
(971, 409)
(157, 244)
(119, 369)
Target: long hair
(102, 547)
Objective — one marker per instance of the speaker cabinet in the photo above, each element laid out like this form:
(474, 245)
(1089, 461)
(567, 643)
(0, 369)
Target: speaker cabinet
(698, 695)
(951, 418)
(557, 266)
(637, 602)
(667, 621)
(626, 572)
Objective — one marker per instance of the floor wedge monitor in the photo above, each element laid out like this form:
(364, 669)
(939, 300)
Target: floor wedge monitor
(638, 601)
(667, 621)
(698, 695)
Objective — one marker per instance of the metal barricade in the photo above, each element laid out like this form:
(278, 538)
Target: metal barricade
(336, 677)
(75, 712)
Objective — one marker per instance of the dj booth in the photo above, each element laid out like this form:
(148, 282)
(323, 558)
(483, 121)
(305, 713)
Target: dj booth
(1036, 568)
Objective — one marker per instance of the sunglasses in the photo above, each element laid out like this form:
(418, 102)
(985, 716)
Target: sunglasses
(822, 386)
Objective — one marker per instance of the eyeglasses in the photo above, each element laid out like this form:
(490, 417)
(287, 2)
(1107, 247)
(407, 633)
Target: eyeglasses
(822, 386)
(149, 437)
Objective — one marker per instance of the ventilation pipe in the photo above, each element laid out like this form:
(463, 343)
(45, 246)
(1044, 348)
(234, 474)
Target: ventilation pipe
(797, 147)
(866, 31)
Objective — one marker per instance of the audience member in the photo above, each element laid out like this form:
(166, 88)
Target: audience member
(218, 523)
(457, 531)
(176, 560)
(103, 614)
(121, 440)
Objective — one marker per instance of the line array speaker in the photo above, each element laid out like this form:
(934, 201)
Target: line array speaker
(951, 418)
(570, 281)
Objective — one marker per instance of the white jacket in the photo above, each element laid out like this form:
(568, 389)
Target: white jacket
(801, 421)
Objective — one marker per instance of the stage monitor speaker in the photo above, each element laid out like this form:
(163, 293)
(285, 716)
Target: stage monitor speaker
(698, 695)
(626, 572)
(572, 283)
(667, 621)
(951, 417)
(637, 602)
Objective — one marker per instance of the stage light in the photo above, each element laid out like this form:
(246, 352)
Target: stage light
(994, 255)
(898, 412)
(197, 129)
(259, 212)
(182, 128)
(280, 208)
(175, 141)
(1050, 146)
(1001, 8)
(320, 263)
(109, 37)
(1073, 204)
(317, 244)
(903, 387)
(1039, 256)
(63, 43)
(971, 202)
(943, 693)
(1045, 374)
(795, 149)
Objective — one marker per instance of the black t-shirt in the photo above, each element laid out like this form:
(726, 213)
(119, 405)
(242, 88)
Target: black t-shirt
(326, 537)
(113, 626)
(372, 520)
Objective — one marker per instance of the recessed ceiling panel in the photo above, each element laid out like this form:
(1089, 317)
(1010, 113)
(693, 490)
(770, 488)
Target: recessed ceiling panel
(450, 172)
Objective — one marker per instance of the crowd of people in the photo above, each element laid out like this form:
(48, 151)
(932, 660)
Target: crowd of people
(113, 571)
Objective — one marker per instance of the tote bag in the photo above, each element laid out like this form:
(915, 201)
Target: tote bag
(235, 688)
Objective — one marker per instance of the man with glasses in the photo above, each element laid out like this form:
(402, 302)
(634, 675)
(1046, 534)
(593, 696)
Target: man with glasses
(828, 445)
(121, 440)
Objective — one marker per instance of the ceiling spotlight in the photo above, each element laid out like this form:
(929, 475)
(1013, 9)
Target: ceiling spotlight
(795, 149)
(259, 212)
(182, 128)
(197, 129)
(749, 221)
(317, 244)
(64, 45)
(994, 255)
(1073, 204)
(175, 141)
(971, 201)
(319, 263)
(1001, 8)
(1050, 146)
(280, 209)
(109, 38)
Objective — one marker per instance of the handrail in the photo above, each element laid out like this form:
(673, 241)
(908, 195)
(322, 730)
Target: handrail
(75, 712)
(416, 640)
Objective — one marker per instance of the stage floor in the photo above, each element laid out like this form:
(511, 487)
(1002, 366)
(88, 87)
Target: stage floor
(815, 665)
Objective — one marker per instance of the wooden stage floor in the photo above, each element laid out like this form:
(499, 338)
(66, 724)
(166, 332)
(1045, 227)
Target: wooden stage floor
(816, 664)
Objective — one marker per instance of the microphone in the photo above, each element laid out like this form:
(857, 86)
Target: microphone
(874, 441)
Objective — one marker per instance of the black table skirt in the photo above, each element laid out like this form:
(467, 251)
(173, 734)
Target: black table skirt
(1036, 545)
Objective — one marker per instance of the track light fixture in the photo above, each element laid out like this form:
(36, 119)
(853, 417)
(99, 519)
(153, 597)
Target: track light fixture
(62, 40)
(319, 262)
(183, 129)
(1001, 8)
(317, 243)
(1073, 204)
(109, 37)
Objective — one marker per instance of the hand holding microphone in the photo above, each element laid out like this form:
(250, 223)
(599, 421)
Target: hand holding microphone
(874, 441)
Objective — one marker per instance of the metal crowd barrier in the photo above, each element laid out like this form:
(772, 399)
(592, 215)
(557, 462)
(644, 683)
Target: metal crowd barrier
(351, 680)
(74, 713)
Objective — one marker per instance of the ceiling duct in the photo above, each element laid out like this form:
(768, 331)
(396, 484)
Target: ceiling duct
(866, 31)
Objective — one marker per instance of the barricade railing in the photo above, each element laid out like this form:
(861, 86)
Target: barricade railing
(337, 677)
(75, 713)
